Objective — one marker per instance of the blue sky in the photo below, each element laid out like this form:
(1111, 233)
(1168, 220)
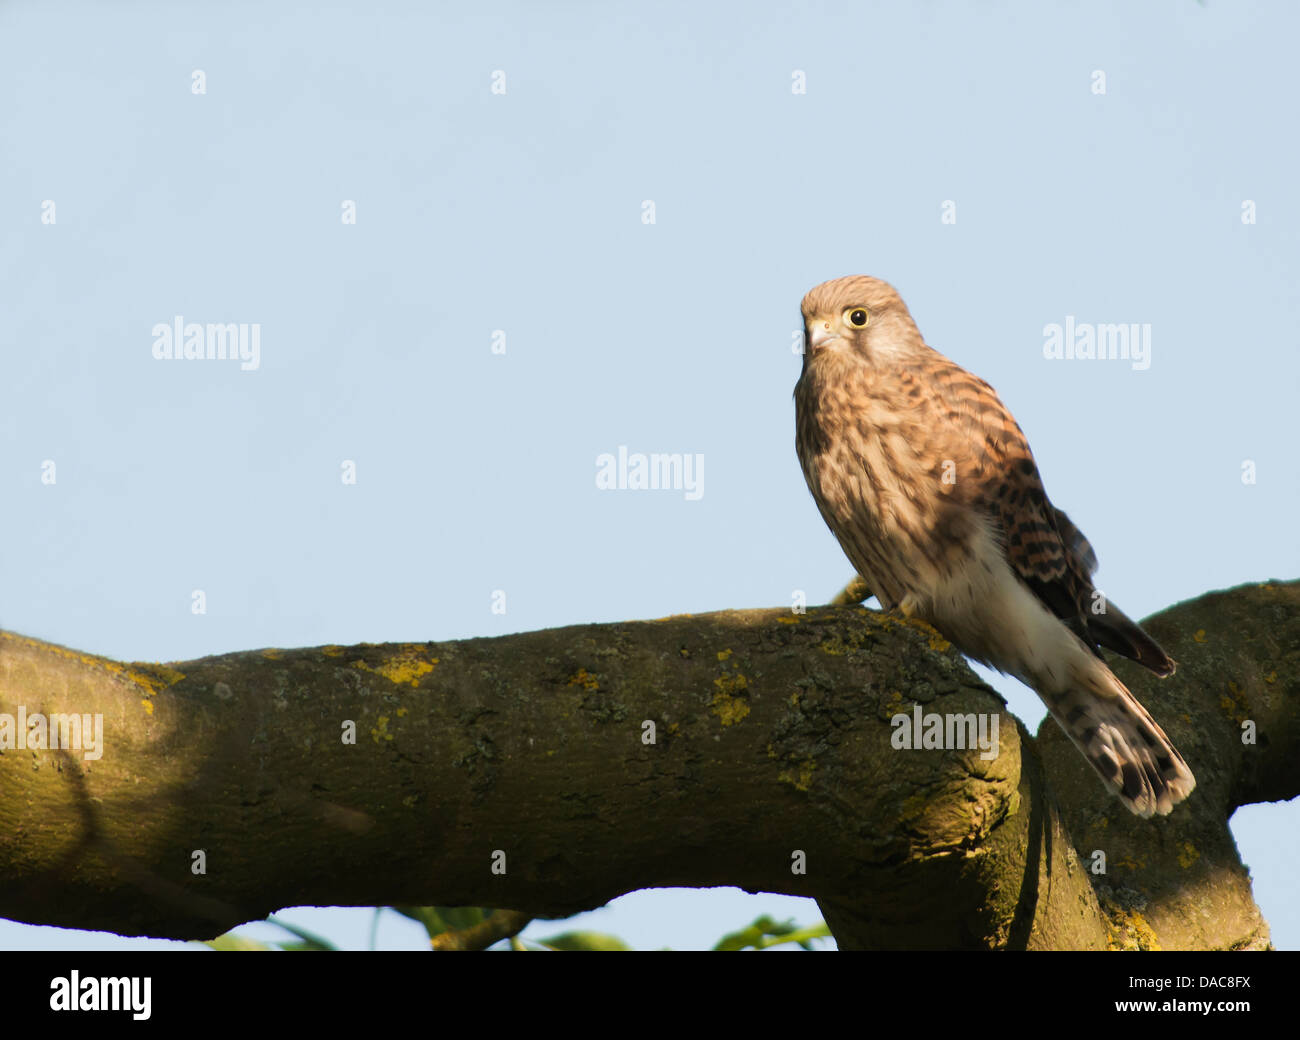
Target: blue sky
(523, 212)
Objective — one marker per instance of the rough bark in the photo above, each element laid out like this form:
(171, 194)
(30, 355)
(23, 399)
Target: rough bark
(772, 747)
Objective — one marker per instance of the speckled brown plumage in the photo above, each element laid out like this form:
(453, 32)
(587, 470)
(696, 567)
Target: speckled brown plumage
(930, 487)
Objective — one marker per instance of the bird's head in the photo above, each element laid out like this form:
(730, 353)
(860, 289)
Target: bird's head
(856, 316)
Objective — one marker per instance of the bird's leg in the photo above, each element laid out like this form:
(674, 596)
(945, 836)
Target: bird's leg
(910, 608)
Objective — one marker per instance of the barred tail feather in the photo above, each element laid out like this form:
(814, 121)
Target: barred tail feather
(1126, 747)
(987, 610)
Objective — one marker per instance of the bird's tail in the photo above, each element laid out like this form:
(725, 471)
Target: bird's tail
(1123, 742)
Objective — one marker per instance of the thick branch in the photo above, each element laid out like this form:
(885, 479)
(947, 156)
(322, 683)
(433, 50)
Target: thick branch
(771, 746)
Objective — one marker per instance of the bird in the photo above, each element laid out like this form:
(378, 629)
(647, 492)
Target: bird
(927, 482)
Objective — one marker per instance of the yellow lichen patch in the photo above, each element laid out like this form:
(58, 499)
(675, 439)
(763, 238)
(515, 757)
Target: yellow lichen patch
(731, 684)
(406, 666)
(1128, 930)
(380, 732)
(332, 650)
(729, 703)
(1199, 635)
(936, 639)
(153, 677)
(723, 654)
(1187, 855)
(788, 620)
(148, 706)
(729, 709)
(1231, 703)
(802, 779)
(585, 679)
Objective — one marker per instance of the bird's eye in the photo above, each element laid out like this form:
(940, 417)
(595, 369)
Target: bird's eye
(856, 316)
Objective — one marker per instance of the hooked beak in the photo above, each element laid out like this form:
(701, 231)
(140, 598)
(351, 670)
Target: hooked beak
(820, 333)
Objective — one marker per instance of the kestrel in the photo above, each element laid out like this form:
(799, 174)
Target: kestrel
(928, 483)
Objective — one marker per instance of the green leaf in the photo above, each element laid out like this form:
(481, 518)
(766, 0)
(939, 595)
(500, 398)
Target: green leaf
(585, 941)
(230, 942)
(439, 919)
(765, 933)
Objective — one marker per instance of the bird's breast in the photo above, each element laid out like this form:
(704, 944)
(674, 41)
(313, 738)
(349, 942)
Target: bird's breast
(868, 469)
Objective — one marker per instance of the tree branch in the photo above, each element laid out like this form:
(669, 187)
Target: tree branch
(520, 772)
(500, 924)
